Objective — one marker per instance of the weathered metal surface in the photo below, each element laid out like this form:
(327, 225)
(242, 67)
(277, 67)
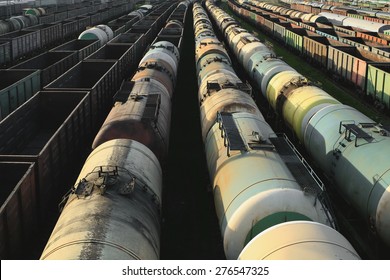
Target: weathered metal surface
(141, 117)
(144, 114)
(118, 216)
(225, 100)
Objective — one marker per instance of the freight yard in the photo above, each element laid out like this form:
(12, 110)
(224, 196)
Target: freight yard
(194, 130)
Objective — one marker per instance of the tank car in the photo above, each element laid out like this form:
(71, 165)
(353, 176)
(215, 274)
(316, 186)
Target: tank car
(308, 17)
(343, 142)
(35, 11)
(144, 115)
(17, 23)
(355, 22)
(142, 11)
(254, 190)
(114, 209)
(101, 32)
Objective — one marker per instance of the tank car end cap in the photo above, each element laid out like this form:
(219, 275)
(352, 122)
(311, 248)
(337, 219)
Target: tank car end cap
(299, 240)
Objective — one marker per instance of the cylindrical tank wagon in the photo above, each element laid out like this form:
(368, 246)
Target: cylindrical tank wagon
(144, 116)
(101, 32)
(17, 23)
(342, 141)
(304, 16)
(345, 10)
(141, 11)
(119, 177)
(254, 190)
(35, 11)
(355, 22)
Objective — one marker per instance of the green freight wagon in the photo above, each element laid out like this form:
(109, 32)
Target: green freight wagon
(294, 37)
(16, 87)
(378, 83)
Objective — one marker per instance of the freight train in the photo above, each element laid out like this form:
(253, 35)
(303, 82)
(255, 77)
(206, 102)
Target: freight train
(292, 13)
(343, 52)
(17, 23)
(51, 14)
(113, 211)
(30, 37)
(350, 148)
(265, 210)
(357, 23)
(332, 16)
(37, 72)
(357, 12)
